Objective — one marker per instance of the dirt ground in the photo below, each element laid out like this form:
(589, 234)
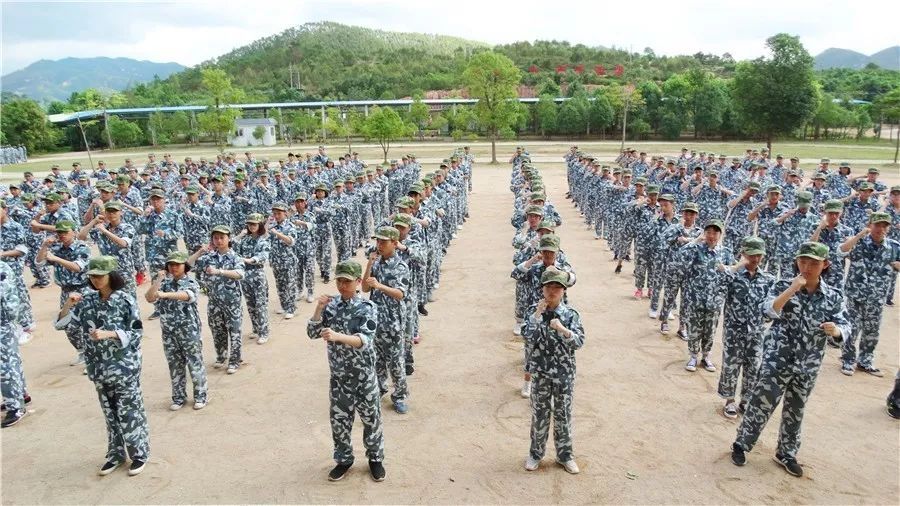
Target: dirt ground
(645, 430)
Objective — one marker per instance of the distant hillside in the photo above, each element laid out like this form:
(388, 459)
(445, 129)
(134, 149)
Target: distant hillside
(844, 58)
(47, 80)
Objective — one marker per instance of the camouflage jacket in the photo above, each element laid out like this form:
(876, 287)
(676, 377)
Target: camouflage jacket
(552, 354)
(356, 316)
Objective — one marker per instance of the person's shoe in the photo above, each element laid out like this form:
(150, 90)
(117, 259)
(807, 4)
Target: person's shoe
(78, 360)
(639, 294)
(417, 339)
(12, 418)
(153, 316)
(671, 316)
(279, 311)
(24, 337)
(309, 299)
(889, 302)
(847, 369)
(570, 466)
(708, 365)
(628, 258)
(738, 457)
(742, 406)
(410, 369)
(108, 468)
(618, 269)
(231, 369)
(376, 469)
(653, 314)
(198, 405)
(691, 365)
(893, 410)
(422, 310)
(682, 333)
(871, 369)
(790, 465)
(175, 406)
(730, 410)
(664, 328)
(139, 278)
(431, 296)
(288, 316)
(531, 464)
(339, 472)
(262, 340)
(137, 467)
(437, 285)
(526, 390)
(84, 372)
(517, 329)
(401, 407)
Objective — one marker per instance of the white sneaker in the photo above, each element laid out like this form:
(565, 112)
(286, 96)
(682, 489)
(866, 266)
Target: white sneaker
(309, 299)
(730, 410)
(570, 466)
(459, 227)
(431, 298)
(454, 235)
(279, 311)
(175, 406)
(671, 316)
(288, 316)
(517, 329)
(691, 365)
(231, 369)
(653, 314)
(437, 285)
(218, 365)
(262, 340)
(78, 360)
(531, 464)
(199, 405)
(526, 390)
(24, 337)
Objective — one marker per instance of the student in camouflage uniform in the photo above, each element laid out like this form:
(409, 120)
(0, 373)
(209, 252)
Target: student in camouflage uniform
(12, 377)
(13, 250)
(387, 279)
(700, 265)
(304, 245)
(107, 316)
(555, 332)
(114, 238)
(675, 238)
(348, 323)
(642, 214)
(162, 228)
(746, 288)
(765, 213)
(224, 271)
(857, 208)
(323, 210)
(253, 246)
(24, 216)
(176, 294)
(412, 251)
(793, 227)
(660, 250)
(196, 219)
(283, 235)
(737, 224)
(832, 233)
(43, 224)
(873, 260)
(805, 312)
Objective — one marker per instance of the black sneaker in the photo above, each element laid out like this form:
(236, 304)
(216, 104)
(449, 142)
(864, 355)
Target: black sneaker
(108, 468)
(12, 418)
(410, 369)
(790, 465)
(889, 302)
(871, 369)
(618, 268)
(377, 470)
(738, 457)
(422, 310)
(339, 472)
(683, 334)
(893, 410)
(137, 467)
(153, 316)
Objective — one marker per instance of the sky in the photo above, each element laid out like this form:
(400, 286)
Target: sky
(191, 32)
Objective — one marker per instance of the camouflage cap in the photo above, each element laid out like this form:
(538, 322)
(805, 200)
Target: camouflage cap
(417, 188)
(65, 226)
(895, 188)
(640, 181)
(873, 170)
(735, 160)
(279, 206)
(715, 223)
(653, 188)
(553, 275)
(825, 160)
(338, 183)
(834, 206)
(322, 187)
(804, 199)
(754, 185)
(52, 197)
(547, 225)
(537, 196)
(27, 197)
(773, 189)
(814, 250)
(387, 234)
(350, 180)
(616, 170)
(690, 206)
(221, 229)
(753, 246)
(50, 179)
(538, 210)
(865, 186)
(177, 257)
(349, 270)
(192, 189)
(254, 218)
(880, 217)
(81, 177)
(402, 220)
(218, 179)
(405, 202)
(112, 206)
(682, 165)
(239, 176)
(102, 265)
(820, 175)
(667, 197)
(63, 189)
(549, 242)
(301, 196)
(159, 194)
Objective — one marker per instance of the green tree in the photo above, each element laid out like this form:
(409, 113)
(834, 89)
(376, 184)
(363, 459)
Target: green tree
(889, 106)
(570, 120)
(418, 114)
(777, 95)
(259, 132)
(124, 133)
(492, 78)
(385, 126)
(24, 122)
(546, 112)
(218, 120)
(600, 114)
(708, 102)
(548, 86)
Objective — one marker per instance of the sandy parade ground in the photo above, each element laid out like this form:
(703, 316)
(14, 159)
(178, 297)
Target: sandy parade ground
(645, 430)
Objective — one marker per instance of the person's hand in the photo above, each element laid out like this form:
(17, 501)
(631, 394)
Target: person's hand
(101, 227)
(557, 325)
(50, 240)
(720, 267)
(373, 256)
(322, 301)
(212, 271)
(798, 282)
(830, 328)
(99, 335)
(52, 258)
(159, 233)
(160, 274)
(328, 335)
(541, 306)
(74, 298)
(371, 282)
(204, 248)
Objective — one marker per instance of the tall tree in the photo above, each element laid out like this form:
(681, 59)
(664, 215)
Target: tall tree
(24, 123)
(545, 115)
(889, 106)
(492, 78)
(385, 126)
(219, 119)
(776, 95)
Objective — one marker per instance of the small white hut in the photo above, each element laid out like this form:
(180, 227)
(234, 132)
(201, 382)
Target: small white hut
(243, 134)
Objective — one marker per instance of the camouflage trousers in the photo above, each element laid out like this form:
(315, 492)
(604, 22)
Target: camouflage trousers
(701, 328)
(285, 283)
(305, 275)
(184, 351)
(768, 261)
(741, 356)
(643, 267)
(26, 313)
(732, 242)
(365, 224)
(891, 288)
(126, 421)
(139, 253)
(75, 336)
(865, 318)
(551, 396)
(412, 325)
(601, 224)
(40, 271)
(391, 359)
(773, 382)
(658, 279)
(377, 213)
(351, 396)
(255, 288)
(12, 377)
(323, 251)
(225, 320)
(342, 243)
(672, 287)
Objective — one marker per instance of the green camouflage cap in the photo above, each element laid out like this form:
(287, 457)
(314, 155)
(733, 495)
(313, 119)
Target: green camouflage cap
(50, 178)
(754, 185)
(221, 229)
(240, 177)
(865, 185)
(690, 206)
(405, 202)
(27, 197)
(177, 257)
(895, 188)
(712, 173)
(616, 170)
(338, 183)
(715, 223)
(814, 250)
(63, 189)
(280, 206)
(15, 185)
(537, 196)
(102, 265)
(547, 224)
(549, 242)
(735, 160)
(322, 187)
(653, 188)
(387, 234)
(403, 220)
(65, 226)
(112, 206)
(773, 189)
(873, 170)
(81, 177)
(218, 179)
(668, 197)
(879, 217)
(349, 180)
(348, 269)
(834, 206)
(640, 181)
(157, 194)
(417, 188)
(538, 210)
(626, 172)
(192, 189)
(820, 175)
(804, 198)
(52, 197)
(840, 165)
(122, 179)
(301, 196)
(254, 218)
(753, 246)
(553, 275)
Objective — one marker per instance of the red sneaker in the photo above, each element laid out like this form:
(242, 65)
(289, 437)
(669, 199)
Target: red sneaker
(140, 278)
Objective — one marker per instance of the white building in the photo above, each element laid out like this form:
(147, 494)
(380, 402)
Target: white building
(242, 135)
